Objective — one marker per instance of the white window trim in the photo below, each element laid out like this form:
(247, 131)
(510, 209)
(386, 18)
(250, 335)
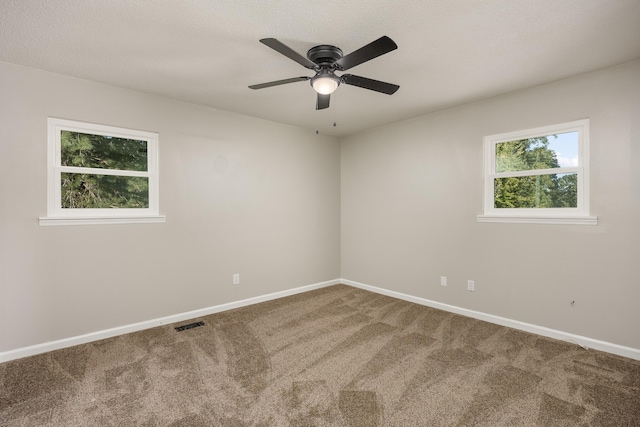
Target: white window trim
(579, 215)
(56, 215)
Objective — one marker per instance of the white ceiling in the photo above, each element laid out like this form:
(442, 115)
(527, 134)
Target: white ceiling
(207, 51)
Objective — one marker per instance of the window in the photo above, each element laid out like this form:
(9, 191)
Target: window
(101, 174)
(538, 175)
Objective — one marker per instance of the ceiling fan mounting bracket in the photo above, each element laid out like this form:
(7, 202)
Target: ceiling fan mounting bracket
(324, 54)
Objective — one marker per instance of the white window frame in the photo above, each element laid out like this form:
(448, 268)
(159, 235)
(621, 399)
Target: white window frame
(56, 215)
(578, 215)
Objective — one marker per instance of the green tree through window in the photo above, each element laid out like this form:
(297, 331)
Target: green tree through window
(544, 190)
(100, 151)
(102, 191)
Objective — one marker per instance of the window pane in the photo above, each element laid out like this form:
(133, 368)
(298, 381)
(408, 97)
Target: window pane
(104, 191)
(104, 152)
(543, 152)
(538, 191)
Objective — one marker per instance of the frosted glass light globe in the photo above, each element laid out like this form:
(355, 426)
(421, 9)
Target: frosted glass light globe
(325, 85)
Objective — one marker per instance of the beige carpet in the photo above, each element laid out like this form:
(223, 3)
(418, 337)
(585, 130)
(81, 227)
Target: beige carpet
(337, 356)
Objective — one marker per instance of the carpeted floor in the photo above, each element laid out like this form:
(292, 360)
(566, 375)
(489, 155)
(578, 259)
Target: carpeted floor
(337, 356)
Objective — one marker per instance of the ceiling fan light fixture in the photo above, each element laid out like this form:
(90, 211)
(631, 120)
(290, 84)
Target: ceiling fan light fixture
(325, 83)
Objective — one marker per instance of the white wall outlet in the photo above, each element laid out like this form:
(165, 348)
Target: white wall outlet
(471, 285)
(443, 280)
(236, 279)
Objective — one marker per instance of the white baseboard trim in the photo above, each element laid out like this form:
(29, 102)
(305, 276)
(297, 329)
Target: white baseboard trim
(588, 343)
(121, 330)
(585, 342)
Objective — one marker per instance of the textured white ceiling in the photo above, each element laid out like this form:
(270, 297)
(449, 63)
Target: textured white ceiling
(207, 51)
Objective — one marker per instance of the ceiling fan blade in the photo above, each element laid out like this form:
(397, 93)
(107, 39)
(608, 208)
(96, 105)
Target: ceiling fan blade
(370, 84)
(279, 82)
(288, 52)
(322, 102)
(374, 49)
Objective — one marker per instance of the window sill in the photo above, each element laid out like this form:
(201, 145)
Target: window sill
(573, 220)
(49, 221)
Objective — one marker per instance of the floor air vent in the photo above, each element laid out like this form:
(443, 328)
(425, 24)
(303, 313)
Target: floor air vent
(189, 326)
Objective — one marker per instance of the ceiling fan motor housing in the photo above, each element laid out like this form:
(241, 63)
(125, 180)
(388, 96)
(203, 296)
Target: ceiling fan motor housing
(324, 54)
(325, 57)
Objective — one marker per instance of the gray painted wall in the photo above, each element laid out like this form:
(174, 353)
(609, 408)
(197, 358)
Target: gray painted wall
(393, 207)
(411, 192)
(241, 195)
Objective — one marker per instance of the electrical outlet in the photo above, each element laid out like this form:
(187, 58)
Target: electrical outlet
(236, 279)
(471, 285)
(443, 280)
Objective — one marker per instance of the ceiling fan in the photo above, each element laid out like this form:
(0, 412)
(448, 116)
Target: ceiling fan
(325, 60)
